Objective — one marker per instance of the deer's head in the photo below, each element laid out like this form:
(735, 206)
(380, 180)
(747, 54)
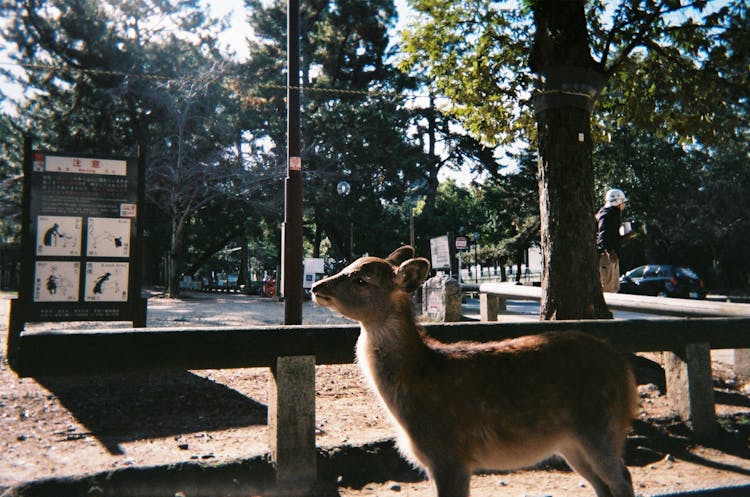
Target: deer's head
(369, 288)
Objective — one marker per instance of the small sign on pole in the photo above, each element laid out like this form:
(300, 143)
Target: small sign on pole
(461, 243)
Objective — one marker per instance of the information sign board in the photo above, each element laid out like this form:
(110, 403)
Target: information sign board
(81, 223)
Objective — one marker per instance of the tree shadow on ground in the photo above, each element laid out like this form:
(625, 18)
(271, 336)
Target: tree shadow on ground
(350, 467)
(118, 409)
(652, 441)
(731, 398)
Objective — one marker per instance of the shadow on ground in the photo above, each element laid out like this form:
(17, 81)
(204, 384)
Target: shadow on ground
(355, 467)
(118, 409)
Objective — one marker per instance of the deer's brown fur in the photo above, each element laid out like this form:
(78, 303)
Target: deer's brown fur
(468, 406)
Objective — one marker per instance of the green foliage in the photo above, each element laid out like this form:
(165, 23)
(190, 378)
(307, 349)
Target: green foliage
(511, 203)
(671, 124)
(352, 135)
(473, 52)
(688, 206)
(476, 53)
(10, 180)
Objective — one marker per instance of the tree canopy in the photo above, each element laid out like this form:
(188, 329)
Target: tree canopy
(534, 72)
(670, 126)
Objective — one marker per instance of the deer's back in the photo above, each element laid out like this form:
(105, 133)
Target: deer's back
(522, 397)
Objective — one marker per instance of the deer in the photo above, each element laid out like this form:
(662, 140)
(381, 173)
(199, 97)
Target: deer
(466, 406)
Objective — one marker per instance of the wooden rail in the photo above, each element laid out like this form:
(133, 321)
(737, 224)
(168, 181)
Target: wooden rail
(138, 349)
(292, 352)
(625, 302)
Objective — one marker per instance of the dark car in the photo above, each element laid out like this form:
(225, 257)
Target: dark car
(663, 280)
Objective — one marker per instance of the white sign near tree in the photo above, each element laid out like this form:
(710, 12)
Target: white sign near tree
(440, 253)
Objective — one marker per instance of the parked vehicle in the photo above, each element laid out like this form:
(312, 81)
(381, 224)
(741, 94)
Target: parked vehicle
(663, 280)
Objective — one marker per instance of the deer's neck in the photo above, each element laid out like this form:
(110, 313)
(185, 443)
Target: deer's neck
(390, 348)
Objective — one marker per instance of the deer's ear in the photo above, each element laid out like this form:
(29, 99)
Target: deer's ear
(412, 273)
(400, 255)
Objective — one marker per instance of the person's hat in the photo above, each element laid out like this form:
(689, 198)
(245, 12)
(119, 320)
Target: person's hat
(614, 197)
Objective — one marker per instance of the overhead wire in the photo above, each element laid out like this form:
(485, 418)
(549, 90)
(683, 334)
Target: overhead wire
(235, 77)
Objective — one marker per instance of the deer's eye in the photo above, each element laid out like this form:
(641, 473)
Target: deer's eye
(360, 282)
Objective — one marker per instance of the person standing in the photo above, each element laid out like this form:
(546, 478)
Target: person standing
(609, 239)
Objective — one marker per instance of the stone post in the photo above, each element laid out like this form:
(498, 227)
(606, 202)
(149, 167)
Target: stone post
(441, 299)
(291, 423)
(690, 388)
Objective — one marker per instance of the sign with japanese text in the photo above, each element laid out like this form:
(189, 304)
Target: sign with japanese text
(81, 213)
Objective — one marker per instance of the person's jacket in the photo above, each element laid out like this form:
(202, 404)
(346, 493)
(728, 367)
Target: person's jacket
(608, 234)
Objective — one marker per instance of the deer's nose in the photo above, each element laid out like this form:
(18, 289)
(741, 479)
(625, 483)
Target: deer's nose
(316, 286)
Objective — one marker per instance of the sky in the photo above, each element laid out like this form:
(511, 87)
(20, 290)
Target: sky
(238, 31)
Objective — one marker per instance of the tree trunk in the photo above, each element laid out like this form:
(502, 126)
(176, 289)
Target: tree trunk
(570, 278)
(318, 238)
(428, 210)
(569, 83)
(243, 278)
(175, 259)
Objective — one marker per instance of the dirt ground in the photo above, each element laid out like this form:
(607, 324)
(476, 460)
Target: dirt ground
(71, 427)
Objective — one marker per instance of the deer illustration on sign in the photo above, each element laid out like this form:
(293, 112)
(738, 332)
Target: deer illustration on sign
(468, 406)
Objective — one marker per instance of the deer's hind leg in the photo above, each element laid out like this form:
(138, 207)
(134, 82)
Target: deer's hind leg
(449, 479)
(602, 466)
(579, 463)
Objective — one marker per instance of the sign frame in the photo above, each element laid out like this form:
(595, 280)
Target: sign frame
(80, 240)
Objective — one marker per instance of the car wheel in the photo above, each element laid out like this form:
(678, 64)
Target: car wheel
(662, 294)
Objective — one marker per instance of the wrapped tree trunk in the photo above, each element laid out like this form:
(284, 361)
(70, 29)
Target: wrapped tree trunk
(569, 81)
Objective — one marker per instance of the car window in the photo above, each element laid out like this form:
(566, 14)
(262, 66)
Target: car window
(686, 271)
(636, 273)
(651, 271)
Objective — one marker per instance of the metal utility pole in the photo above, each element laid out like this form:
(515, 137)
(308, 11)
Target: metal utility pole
(291, 417)
(292, 230)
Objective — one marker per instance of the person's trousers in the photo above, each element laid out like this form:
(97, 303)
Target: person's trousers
(609, 271)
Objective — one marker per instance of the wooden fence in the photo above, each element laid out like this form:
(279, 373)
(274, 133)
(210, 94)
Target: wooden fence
(291, 352)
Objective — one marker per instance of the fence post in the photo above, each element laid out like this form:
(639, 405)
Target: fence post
(690, 387)
(488, 307)
(291, 423)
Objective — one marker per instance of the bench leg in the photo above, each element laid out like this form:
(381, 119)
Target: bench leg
(291, 423)
(488, 307)
(690, 388)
